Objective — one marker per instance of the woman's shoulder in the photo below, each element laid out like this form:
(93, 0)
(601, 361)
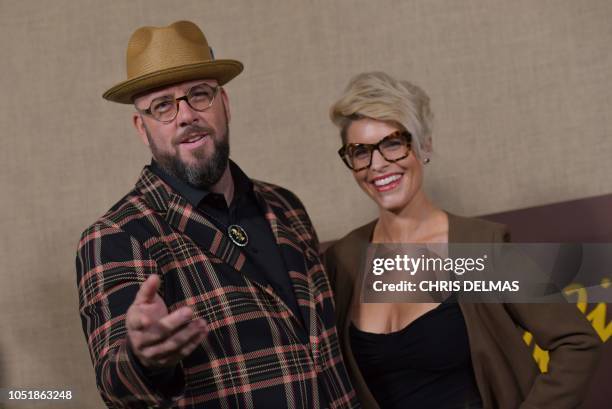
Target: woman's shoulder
(475, 230)
(343, 257)
(354, 241)
(343, 260)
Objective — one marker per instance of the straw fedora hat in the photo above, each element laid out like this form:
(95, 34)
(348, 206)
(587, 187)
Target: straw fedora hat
(160, 56)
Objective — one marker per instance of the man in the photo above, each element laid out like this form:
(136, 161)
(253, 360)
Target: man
(202, 288)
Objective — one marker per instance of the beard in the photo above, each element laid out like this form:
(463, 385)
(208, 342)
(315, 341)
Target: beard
(207, 171)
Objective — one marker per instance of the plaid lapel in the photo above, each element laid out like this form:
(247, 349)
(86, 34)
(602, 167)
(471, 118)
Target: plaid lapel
(293, 251)
(182, 216)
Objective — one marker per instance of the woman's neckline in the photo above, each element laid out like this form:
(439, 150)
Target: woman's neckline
(376, 222)
(444, 304)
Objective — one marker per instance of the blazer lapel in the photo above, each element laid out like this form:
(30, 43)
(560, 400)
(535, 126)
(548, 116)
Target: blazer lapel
(184, 218)
(294, 252)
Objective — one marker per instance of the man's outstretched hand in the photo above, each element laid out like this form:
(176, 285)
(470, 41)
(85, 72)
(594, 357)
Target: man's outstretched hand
(158, 339)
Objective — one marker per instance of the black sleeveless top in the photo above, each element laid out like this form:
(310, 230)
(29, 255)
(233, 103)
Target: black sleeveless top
(427, 364)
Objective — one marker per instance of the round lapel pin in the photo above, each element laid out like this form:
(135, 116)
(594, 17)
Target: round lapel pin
(237, 235)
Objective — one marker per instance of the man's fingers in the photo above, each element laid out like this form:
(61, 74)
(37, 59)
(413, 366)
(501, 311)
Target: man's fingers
(147, 290)
(193, 344)
(160, 331)
(136, 320)
(176, 319)
(152, 332)
(171, 348)
(167, 327)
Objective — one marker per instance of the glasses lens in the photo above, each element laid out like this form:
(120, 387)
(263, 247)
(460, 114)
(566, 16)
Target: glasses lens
(163, 108)
(201, 96)
(358, 155)
(394, 147)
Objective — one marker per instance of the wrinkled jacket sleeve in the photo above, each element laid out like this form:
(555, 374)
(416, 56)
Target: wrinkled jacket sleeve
(573, 345)
(111, 265)
(574, 349)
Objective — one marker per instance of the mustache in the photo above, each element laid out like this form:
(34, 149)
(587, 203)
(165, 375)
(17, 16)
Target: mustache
(191, 129)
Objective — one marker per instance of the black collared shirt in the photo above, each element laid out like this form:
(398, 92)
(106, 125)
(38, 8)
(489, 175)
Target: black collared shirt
(264, 262)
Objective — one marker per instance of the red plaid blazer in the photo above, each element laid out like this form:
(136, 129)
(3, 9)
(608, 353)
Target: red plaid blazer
(254, 353)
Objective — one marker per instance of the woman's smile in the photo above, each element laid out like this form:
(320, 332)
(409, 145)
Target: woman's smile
(387, 182)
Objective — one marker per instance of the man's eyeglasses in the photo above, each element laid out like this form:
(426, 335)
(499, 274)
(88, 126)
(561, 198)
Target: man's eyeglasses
(164, 109)
(393, 147)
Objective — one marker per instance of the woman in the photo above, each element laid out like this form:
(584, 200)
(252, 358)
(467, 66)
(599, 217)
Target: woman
(435, 355)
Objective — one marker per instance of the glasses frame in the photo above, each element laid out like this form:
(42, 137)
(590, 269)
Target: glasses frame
(376, 147)
(177, 101)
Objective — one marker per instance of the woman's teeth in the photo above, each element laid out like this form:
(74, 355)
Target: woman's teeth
(387, 180)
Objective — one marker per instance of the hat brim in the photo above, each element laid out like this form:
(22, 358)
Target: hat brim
(221, 70)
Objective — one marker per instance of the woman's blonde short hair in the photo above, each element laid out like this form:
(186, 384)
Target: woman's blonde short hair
(379, 96)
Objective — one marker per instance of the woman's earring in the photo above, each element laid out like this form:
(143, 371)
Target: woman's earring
(426, 161)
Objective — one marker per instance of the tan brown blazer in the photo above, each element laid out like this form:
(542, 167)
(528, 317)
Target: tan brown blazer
(506, 374)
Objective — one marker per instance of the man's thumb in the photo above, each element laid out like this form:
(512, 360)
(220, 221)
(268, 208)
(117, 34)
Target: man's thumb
(148, 289)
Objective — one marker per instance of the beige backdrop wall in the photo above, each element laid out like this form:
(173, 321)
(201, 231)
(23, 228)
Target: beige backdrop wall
(521, 91)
